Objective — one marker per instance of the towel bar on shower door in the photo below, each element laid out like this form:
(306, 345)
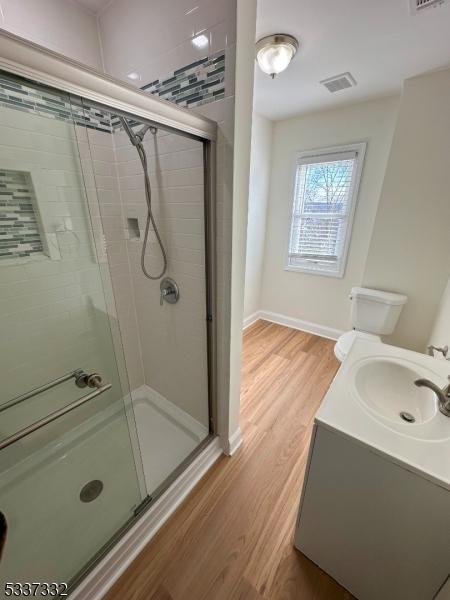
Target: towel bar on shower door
(82, 379)
(52, 416)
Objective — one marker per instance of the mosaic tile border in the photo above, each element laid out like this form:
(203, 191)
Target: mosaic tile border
(198, 83)
(193, 85)
(33, 98)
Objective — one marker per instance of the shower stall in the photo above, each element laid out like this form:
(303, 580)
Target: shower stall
(107, 309)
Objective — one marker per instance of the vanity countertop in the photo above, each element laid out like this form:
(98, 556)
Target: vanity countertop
(420, 447)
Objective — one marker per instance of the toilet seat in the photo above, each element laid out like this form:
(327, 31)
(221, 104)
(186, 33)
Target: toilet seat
(345, 341)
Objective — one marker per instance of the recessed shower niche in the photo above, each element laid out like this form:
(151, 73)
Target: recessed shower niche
(30, 228)
(134, 232)
(20, 227)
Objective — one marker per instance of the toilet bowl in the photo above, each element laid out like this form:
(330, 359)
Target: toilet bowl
(345, 341)
(374, 313)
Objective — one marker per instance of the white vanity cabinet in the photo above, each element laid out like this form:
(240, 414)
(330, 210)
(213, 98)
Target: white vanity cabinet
(380, 529)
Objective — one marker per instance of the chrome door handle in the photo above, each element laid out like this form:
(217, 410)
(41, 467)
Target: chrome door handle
(83, 380)
(52, 417)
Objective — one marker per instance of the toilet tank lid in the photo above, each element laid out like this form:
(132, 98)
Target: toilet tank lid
(378, 296)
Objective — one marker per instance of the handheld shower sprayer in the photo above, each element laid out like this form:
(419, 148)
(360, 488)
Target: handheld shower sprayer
(138, 137)
(137, 140)
(141, 133)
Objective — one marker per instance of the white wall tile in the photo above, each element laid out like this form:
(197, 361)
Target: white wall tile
(56, 24)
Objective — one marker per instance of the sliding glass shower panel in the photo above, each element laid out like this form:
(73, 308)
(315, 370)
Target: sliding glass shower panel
(69, 479)
(151, 190)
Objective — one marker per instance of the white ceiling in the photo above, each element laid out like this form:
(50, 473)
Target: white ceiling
(378, 41)
(94, 6)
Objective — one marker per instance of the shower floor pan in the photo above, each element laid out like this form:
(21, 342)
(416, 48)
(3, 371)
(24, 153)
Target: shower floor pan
(167, 434)
(53, 532)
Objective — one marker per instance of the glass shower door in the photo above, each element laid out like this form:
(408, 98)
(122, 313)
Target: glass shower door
(150, 180)
(70, 468)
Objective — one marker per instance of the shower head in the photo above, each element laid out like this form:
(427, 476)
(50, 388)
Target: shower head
(141, 133)
(129, 131)
(136, 138)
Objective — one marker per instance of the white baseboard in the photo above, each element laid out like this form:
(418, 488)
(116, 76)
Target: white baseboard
(108, 571)
(251, 319)
(307, 326)
(233, 443)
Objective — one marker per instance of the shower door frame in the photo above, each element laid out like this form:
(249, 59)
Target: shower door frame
(31, 61)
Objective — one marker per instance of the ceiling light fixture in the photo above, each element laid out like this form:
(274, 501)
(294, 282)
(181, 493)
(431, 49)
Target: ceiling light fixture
(200, 41)
(275, 52)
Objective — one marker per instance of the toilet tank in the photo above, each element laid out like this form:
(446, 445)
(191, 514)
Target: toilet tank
(375, 311)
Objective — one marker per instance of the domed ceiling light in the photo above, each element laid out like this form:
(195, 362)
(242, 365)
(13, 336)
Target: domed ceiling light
(275, 52)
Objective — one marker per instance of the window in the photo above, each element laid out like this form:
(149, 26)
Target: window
(325, 193)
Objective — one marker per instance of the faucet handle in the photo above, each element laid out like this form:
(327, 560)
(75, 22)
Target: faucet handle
(442, 349)
(169, 291)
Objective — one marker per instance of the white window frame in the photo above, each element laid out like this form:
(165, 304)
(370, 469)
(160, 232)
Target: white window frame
(311, 267)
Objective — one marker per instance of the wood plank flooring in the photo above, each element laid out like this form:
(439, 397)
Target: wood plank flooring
(232, 537)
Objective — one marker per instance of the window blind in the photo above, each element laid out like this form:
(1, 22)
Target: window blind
(322, 205)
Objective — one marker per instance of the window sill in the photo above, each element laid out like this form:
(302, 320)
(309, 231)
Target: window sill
(335, 274)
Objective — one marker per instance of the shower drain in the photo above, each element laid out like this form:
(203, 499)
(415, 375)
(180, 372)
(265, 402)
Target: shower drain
(408, 417)
(91, 490)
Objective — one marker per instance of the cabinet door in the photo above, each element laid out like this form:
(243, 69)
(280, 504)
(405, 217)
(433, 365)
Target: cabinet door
(378, 529)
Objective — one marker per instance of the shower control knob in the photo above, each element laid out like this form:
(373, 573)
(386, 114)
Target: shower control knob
(169, 291)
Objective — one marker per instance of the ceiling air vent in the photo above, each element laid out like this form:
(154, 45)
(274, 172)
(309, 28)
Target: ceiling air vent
(417, 6)
(339, 82)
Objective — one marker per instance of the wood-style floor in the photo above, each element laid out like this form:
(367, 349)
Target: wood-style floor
(232, 537)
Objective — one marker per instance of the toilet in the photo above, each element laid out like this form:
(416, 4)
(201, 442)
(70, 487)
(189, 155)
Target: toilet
(373, 313)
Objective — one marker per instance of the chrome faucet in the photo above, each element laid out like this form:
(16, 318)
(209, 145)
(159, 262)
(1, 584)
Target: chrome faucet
(443, 395)
(442, 349)
(169, 291)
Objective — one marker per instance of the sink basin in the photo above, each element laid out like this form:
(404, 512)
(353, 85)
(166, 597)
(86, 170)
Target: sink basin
(373, 388)
(385, 387)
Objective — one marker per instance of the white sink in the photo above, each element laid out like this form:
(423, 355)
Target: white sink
(372, 395)
(385, 387)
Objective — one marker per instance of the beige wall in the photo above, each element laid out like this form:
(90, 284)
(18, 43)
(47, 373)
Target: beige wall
(320, 299)
(260, 163)
(246, 25)
(440, 334)
(409, 251)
